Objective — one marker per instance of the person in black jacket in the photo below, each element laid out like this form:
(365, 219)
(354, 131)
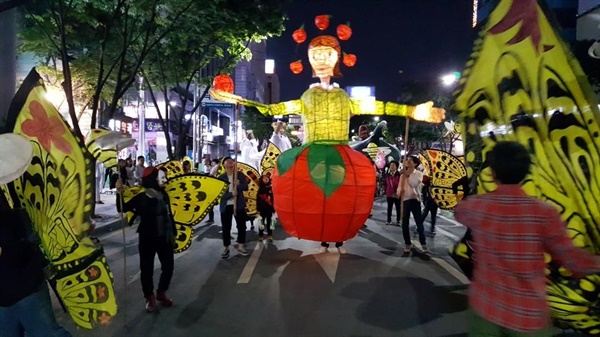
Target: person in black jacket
(156, 237)
(430, 204)
(264, 205)
(231, 197)
(25, 305)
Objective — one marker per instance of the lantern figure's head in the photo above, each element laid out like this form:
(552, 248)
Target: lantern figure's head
(324, 55)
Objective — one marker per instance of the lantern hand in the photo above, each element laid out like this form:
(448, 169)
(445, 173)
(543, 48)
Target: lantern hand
(224, 96)
(426, 112)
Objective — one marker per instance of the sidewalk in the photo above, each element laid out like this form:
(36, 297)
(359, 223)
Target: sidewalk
(109, 219)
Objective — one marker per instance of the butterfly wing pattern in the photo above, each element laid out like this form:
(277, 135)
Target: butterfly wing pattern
(190, 196)
(267, 163)
(252, 178)
(57, 193)
(524, 84)
(445, 169)
(174, 168)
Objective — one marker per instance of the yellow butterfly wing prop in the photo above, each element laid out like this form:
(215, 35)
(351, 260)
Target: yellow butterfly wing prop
(252, 178)
(445, 169)
(174, 168)
(426, 164)
(104, 145)
(523, 84)
(267, 163)
(183, 237)
(56, 191)
(191, 196)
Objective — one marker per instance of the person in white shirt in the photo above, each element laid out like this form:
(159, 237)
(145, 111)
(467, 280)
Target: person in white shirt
(139, 170)
(249, 150)
(279, 138)
(409, 190)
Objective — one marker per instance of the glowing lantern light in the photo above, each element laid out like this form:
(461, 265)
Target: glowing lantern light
(349, 60)
(296, 67)
(344, 32)
(299, 35)
(223, 82)
(322, 21)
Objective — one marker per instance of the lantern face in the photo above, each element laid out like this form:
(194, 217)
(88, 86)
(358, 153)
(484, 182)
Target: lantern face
(323, 59)
(223, 82)
(309, 209)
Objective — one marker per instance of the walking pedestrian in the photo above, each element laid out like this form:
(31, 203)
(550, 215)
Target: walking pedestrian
(429, 202)
(231, 197)
(392, 180)
(264, 204)
(512, 231)
(156, 237)
(409, 191)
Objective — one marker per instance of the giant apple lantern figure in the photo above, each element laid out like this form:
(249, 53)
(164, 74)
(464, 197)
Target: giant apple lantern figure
(324, 189)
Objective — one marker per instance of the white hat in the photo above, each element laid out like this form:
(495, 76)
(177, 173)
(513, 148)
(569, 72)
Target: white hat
(15, 156)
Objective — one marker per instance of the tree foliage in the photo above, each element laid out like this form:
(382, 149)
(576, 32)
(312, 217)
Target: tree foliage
(261, 126)
(213, 33)
(106, 40)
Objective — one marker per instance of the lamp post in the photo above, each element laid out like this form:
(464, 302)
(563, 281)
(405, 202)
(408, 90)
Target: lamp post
(450, 79)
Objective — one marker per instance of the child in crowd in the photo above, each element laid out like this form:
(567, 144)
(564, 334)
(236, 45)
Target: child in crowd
(264, 204)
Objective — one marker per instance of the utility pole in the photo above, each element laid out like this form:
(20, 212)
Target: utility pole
(8, 56)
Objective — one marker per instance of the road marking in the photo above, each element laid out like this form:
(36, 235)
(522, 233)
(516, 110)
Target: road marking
(251, 264)
(452, 221)
(200, 232)
(329, 262)
(448, 234)
(446, 266)
(441, 262)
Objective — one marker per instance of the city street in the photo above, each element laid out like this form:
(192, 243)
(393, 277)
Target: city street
(286, 288)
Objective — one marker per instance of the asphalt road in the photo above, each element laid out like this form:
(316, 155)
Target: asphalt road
(286, 288)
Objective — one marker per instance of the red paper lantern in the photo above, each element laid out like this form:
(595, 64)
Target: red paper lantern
(299, 35)
(296, 67)
(349, 60)
(322, 21)
(344, 32)
(223, 82)
(306, 212)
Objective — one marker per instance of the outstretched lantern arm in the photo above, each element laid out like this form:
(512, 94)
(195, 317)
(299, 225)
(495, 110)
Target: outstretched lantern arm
(425, 112)
(282, 108)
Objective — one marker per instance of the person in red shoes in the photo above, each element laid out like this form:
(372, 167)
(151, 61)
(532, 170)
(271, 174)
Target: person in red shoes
(156, 237)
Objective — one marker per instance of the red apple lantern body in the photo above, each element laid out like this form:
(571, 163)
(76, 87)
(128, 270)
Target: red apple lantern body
(344, 32)
(322, 21)
(310, 210)
(223, 82)
(299, 35)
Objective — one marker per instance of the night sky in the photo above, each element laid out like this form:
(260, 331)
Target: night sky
(422, 38)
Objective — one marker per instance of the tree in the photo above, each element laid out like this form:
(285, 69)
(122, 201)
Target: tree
(111, 37)
(261, 126)
(212, 32)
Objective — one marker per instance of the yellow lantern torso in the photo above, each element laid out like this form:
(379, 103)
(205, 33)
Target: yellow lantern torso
(326, 115)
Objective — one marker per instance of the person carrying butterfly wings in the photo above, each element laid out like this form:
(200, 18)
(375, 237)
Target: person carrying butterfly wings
(25, 305)
(156, 236)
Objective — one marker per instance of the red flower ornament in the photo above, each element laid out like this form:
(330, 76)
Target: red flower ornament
(48, 130)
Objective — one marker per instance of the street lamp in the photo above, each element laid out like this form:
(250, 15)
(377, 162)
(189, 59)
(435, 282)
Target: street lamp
(450, 79)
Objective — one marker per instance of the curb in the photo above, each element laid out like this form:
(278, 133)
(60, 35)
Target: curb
(109, 226)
